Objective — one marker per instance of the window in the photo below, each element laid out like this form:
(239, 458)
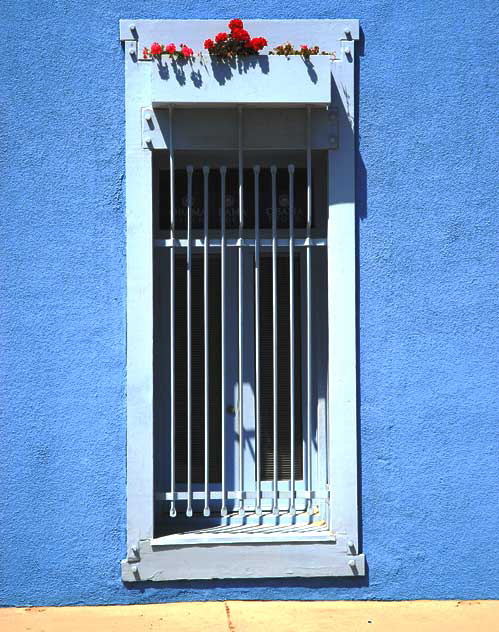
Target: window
(241, 378)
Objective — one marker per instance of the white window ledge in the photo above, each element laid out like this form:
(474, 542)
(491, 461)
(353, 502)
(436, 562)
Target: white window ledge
(153, 562)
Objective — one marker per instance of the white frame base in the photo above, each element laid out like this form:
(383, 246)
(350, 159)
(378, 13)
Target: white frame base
(244, 561)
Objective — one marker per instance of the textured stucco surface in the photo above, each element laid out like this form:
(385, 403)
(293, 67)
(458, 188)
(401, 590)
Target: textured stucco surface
(428, 302)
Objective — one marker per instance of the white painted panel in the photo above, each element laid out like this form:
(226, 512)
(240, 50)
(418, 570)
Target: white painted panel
(231, 561)
(324, 33)
(216, 128)
(258, 79)
(139, 313)
(342, 376)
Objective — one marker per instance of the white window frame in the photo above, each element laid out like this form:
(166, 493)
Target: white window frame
(341, 556)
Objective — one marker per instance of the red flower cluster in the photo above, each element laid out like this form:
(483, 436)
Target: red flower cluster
(156, 50)
(237, 42)
(235, 24)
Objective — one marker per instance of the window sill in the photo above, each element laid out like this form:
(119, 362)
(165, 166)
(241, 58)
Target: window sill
(250, 534)
(184, 560)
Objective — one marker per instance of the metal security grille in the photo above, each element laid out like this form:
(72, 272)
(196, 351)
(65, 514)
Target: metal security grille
(238, 281)
(214, 362)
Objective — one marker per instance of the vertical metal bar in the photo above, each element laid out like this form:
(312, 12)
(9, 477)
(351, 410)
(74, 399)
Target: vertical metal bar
(188, 511)
(206, 510)
(309, 309)
(275, 501)
(173, 511)
(223, 172)
(291, 170)
(240, 308)
(258, 501)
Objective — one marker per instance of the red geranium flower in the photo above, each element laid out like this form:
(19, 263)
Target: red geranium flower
(209, 43)
(186, 51)
(241, 35)
(235, 24)
(171, 48)
(145, 53)
(257, 43)
(221, 37)
(156, 49)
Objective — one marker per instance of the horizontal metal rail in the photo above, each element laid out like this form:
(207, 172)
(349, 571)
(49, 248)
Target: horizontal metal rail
(183, 539)
(238, 495)
(245, 243)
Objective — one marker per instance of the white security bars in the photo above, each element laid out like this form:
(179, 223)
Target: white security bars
(249, 464)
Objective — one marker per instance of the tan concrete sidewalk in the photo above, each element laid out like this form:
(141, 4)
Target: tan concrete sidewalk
(269, 616)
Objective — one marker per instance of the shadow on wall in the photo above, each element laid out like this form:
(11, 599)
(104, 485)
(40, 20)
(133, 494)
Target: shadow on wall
(348, 583)
(222, 70)
(361, 214)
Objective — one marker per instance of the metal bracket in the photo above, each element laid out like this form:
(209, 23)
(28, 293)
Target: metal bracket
(150, 129)
(134, 554)
(131, 49)
(346, 51)
(333, 128)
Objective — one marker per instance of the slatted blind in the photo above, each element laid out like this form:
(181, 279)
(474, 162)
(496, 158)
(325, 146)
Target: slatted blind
(284, 435)
(197, 370)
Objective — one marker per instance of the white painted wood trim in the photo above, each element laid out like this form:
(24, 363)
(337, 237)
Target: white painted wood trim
(139, 312)
(257, 560)
(342, 377)
(244, 561)
(267, 80)
(324, 33)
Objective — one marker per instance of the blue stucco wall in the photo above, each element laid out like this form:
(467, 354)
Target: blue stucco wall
(428, 302)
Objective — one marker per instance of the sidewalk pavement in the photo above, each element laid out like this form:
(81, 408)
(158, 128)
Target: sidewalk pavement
(266, 616)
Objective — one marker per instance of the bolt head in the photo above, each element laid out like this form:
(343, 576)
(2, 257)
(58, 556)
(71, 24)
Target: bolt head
(134, 570)
(131, 50)
(148, 116)
(351, 563)
(147, 140)
(133, 27)
(347, 32)
(347, 50)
